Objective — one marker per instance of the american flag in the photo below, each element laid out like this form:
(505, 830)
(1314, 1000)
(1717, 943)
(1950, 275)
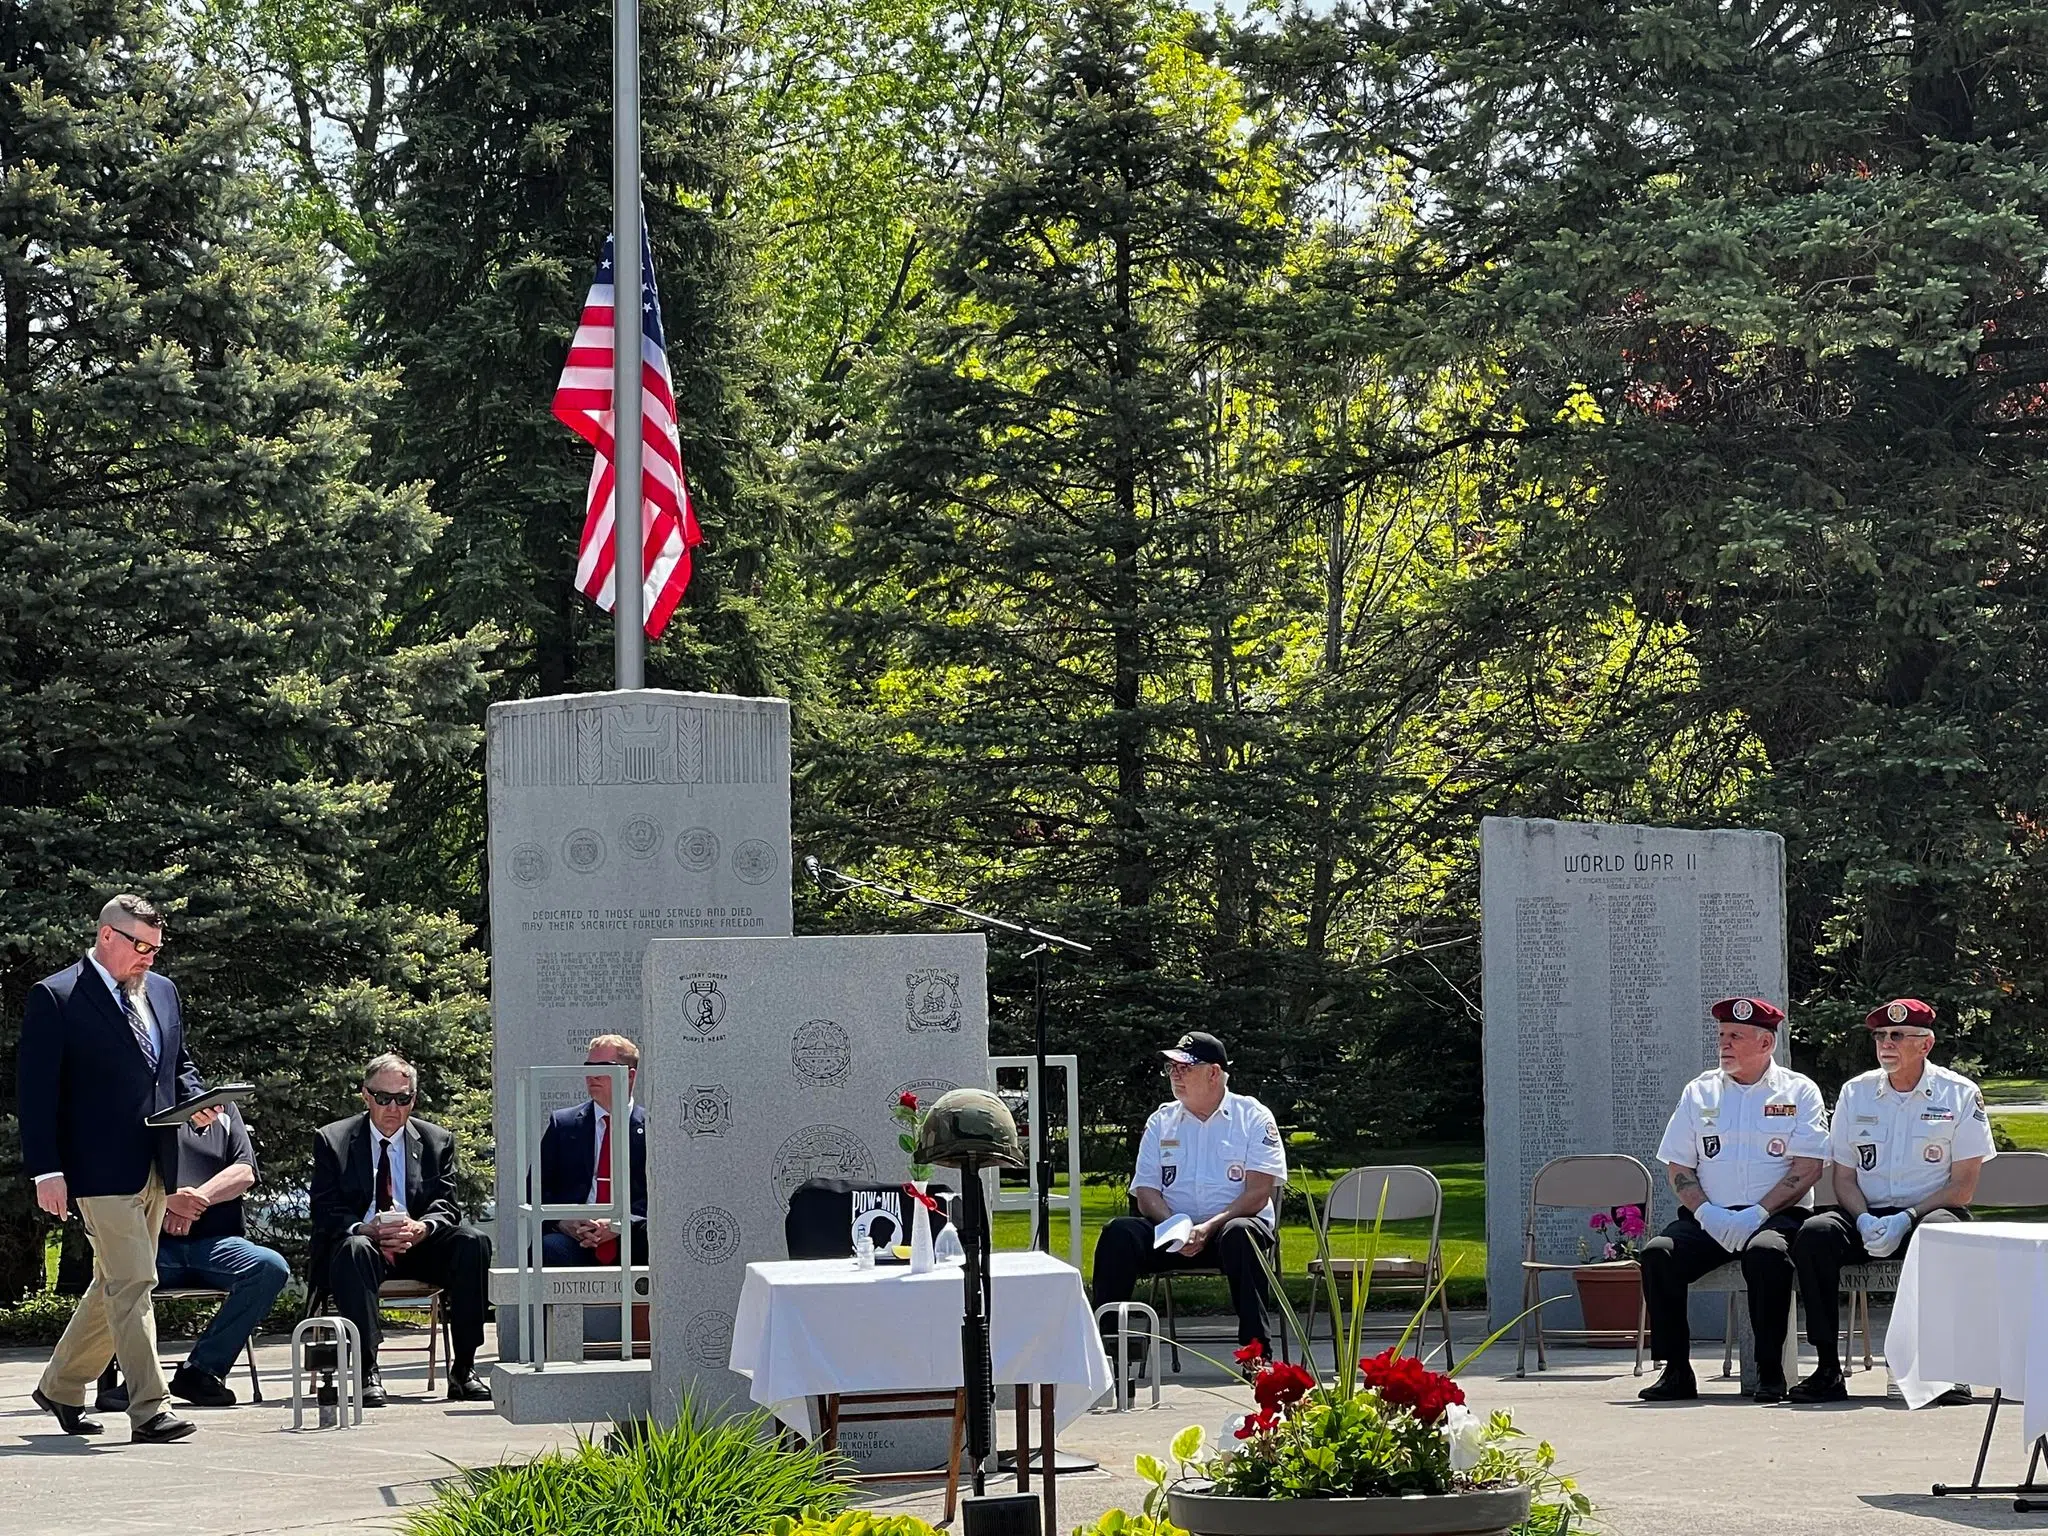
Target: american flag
(583, 404)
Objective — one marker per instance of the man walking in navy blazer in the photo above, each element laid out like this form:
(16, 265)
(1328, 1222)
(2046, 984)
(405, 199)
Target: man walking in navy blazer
(576, 1166)
(102, 1049)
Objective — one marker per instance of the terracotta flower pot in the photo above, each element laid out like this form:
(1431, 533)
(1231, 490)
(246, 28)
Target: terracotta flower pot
(1611, 1297)
(1482, 1512)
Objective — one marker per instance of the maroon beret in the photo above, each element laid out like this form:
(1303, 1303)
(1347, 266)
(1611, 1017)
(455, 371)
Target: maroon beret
(1909, 1011)
(1749, 1010)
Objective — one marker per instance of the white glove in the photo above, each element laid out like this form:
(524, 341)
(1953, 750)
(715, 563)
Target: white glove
(1891, 1232)
(1743, 1225)
(1868, 1227)
(1718, 1222)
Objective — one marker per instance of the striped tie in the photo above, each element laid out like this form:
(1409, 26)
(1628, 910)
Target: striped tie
(140, 1029)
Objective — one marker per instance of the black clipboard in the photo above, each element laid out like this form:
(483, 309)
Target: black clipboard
(227, 1093)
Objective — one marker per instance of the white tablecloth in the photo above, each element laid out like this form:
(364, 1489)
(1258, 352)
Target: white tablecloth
(1973, 1306)
(806, 1328)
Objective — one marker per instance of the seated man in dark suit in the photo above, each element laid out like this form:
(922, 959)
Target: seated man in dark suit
(576, 1163)
(384, 1208)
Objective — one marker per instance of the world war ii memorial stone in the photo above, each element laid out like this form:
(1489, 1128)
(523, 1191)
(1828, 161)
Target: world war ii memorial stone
(772, 1061)
(1604, 946)
(616, 819)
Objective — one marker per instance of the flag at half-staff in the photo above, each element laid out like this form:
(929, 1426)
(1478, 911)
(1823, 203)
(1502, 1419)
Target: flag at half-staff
(583, 404)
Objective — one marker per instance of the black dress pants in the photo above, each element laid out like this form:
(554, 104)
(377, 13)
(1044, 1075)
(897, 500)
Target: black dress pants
(1124, 1253)
(1824, 1245)
(1683, 1253)
(458, 1259)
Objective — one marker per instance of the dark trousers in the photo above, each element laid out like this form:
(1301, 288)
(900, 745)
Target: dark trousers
(1683, 1253)
(458, 1259)
(559, 1249)
(1825, 1243)
(1124, 1253)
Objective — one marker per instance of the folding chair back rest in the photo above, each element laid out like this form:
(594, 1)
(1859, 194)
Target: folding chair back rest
(1412, 1194)
(2014, 1180)
(1588, 1181)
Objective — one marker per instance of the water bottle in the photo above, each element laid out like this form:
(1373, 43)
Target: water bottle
(863, 1250)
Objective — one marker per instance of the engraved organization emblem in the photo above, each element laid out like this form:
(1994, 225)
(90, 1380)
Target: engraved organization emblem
(583, 851)
(1744, 1009)
(704, 1005)
(707, 1110)
(711, 1234)
(1711, 1145)
(529, 864)
(926, 1089)
(820, 1152)
(1866, 1155)
(753, 861)
(707, 1339)
(697, 849)
(933, 1001)
(820, 1052)
(1896, 1012)
(640, 837)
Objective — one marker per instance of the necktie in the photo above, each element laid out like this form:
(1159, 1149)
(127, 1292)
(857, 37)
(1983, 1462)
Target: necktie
(608, 1250)
(139, 1029)
(383, 1175)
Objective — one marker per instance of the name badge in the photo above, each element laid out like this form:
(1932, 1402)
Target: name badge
(1170, 1141)
(1776, 1110)
(1866, 1119)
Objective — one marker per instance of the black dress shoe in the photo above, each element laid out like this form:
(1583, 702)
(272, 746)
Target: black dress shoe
(203, 1389)
(465, 1386)
(1674, 1386)
(162, 1429)
(1954, 1397)
(1768, 1392)
(373, 1390)
(69, 1419)
(1825, 1385)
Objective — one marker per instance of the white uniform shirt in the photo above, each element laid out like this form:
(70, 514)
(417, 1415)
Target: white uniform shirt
(1904, 1145)
(1199, 1165)
(1742, 1140)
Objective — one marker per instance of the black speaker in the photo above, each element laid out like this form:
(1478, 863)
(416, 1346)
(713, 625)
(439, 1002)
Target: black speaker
(1000, 1514)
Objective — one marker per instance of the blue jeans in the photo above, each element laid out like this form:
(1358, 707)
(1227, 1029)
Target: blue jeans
(251, 1276)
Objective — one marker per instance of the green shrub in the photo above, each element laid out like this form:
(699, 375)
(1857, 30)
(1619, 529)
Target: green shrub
(854, 1522)
(1115, 1522)
(693, 1479)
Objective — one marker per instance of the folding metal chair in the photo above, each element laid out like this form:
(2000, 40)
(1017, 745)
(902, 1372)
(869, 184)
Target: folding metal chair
(1411, 1194)
(1595, 1181)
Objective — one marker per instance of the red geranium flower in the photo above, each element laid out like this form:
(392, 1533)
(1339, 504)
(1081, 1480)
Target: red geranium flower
(1257, 1423)
(1280, 1384)
(1402, 1381)
(1246, 1354)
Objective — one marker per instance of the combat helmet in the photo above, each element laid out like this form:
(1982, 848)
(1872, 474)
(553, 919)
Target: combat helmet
(969, 1123)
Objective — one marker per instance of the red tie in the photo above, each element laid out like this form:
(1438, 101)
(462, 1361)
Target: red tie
(608, 1250)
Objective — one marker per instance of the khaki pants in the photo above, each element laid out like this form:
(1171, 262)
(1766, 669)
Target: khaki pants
(117, 1315)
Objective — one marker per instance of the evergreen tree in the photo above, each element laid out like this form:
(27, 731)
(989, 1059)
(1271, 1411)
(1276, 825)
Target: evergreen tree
(1038, 558)
(199, 698)
(1766, 288)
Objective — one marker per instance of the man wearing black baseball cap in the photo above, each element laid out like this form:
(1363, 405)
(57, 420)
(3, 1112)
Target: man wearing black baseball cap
(1216, 1158)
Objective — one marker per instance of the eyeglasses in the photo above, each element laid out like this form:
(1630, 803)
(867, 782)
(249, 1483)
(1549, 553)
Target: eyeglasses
(1176, 1068)
(389, 1099)
(142, 946)
(1897, 1036)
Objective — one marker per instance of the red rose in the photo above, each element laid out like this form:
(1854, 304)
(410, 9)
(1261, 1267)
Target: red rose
(906, 1100)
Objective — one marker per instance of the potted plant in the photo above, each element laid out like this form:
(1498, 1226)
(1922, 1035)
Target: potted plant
(1611, 1287)
(1384, 1447)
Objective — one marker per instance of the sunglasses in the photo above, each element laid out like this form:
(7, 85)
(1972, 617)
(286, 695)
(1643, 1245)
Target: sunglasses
(389, 1099)
(1896, 1036)
(142, 946)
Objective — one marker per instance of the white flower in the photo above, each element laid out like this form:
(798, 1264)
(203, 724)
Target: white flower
(1465, 1434)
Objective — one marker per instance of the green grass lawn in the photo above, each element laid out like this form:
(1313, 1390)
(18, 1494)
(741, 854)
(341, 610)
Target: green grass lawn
(1459, 1169)
(2029, 1132)
(2015, 1090)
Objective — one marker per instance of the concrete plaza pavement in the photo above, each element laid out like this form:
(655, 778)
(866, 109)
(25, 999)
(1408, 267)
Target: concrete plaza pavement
(1721, 1465)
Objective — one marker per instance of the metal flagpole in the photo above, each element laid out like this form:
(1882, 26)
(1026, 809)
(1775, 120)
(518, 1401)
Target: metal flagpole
(628, 591)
